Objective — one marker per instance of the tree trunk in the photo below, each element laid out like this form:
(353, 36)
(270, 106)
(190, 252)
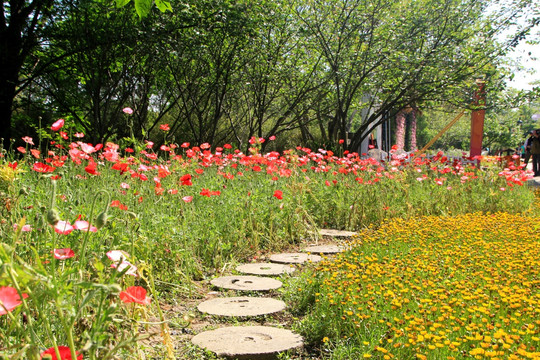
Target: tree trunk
(7, 93)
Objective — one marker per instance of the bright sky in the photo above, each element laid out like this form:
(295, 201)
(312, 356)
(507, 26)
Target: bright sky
(523, 79)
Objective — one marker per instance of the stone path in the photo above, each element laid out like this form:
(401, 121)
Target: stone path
(258, 342)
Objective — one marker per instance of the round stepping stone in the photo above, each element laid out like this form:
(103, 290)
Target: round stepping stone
(248, 342)
(324, 249)
(294, 258)
(246, 282)
(336, 233)
(241, 306)
(265, 269)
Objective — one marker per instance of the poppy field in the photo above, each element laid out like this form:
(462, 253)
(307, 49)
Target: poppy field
(97, 237)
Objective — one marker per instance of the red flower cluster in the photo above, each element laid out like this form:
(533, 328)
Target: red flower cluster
(208, 193)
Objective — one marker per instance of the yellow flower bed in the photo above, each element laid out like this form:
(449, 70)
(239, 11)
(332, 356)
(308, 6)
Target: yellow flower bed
(437, 288)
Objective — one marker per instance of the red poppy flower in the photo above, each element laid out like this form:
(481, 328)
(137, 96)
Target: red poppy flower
(118, 204)
(164, 127)
(92, 168)
(62, 254)
(136, 294)
(205, 192)
(57, 125)
(9, 299)
(278, 194)
(65, 354)
(43, 168)
(272, 138)
(186, 180)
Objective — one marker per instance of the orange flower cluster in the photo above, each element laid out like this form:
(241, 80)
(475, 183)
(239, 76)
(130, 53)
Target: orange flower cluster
(439, 288)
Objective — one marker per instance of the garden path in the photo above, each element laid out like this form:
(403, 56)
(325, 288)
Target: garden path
(258, 342)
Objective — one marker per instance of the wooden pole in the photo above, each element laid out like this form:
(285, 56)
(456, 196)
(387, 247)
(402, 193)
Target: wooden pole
(477, 119)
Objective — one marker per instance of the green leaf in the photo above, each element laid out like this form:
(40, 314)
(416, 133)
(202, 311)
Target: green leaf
(122, 3)
(163, 5)
(143, 7)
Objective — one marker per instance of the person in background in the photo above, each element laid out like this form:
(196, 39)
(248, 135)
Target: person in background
(527, 148)
(535, 151)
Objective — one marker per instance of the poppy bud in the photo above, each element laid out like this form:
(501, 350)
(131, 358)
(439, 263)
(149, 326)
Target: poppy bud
(101, 219)
(52, 217)
(23, 191)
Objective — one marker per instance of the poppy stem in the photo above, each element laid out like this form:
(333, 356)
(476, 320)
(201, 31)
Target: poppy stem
(11, 273)
(53, 195)
(85, 241)
(68, 330)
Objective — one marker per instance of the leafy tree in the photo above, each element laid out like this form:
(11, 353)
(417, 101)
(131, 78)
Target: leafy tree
(21, 24)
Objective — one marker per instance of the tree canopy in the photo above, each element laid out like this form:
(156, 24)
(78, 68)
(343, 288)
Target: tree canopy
(225, 70)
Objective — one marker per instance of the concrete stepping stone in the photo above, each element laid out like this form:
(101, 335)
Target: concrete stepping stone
(324, 249)
(265, 269)
(336, 233)
(294, 258)
(246, 283)
(241, 306)
(248, 342)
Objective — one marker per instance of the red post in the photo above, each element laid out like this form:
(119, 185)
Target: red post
(477, 119)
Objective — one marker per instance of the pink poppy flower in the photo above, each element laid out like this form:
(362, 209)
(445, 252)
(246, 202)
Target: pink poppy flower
(25, 228)
(9, 299)
(57, 125)
(117, 255)
(79, 135)
(28, 140)
(62, 254)
(272, 138)
(83, 225)
(135, 294)
(127, 110)
(63, 227)
(64, 351)
(131, 269)
(187, 199)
